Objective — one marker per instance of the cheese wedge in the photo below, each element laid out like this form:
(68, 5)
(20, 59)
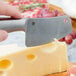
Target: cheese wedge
(36, 61)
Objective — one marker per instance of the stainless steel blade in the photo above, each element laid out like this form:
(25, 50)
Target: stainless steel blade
(43, 30)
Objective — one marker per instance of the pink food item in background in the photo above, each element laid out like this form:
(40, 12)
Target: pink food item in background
(42, 12)
(68, 39)
(73, 34)
(62, 39)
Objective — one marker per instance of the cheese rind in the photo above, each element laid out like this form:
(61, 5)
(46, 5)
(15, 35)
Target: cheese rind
(39, 61)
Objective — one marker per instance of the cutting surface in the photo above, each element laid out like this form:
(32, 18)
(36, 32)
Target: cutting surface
(71, 71)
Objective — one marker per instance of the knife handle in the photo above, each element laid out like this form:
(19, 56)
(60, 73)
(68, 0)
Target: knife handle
(10, 24)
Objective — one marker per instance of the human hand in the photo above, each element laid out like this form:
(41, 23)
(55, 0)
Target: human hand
(7, 10)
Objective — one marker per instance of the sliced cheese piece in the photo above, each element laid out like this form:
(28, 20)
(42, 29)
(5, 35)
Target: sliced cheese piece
(39, 60)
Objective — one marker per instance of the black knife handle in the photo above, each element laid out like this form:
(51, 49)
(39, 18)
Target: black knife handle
(10, 24)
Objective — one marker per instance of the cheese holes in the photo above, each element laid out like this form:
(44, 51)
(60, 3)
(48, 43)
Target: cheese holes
(31, 56)
(5, 64)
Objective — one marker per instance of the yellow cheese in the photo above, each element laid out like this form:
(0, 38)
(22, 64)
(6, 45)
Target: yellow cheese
(37, 61)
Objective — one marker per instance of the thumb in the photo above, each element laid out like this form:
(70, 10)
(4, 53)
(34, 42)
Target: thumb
(9, 10)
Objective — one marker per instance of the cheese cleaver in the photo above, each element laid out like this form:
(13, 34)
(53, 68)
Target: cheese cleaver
(39, 30)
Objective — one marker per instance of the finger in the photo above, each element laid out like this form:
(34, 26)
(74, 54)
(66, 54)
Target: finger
(3, 35)
(8, 10)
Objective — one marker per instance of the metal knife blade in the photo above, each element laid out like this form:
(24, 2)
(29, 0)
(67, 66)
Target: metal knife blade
(43, 30)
